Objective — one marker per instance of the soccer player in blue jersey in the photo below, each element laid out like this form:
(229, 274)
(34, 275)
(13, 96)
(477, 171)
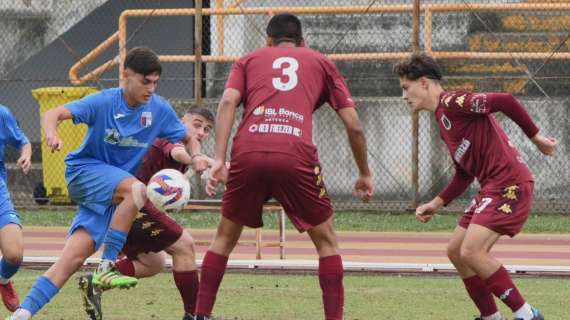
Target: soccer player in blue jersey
(123, 123)
(11, 238)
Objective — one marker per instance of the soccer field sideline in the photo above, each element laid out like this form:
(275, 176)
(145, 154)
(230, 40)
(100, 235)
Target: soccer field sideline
(385, 252)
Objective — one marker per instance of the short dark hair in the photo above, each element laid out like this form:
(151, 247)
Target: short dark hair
(418, 65)
(285, 27)
(201, 111)
(143, 61)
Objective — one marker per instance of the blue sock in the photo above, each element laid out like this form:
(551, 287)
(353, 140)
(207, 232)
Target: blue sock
(7, 270)
(41, 293)
(114, 242)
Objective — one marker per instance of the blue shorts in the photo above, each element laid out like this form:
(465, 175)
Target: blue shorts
(7, 212)
(94, 223)
(92, 186)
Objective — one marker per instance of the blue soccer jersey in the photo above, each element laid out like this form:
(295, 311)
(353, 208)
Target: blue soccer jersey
(120, 135)
(10, 134)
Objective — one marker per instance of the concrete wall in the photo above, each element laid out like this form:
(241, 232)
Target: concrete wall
(29, 25)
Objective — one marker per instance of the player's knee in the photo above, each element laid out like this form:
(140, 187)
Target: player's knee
(468, 254)
(138, 193)
(14, 256)
(453, 253)
(183, 246)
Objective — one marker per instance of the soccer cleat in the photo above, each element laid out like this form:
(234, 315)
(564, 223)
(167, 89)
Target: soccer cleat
(188, 316)
(202, 318)
(536, 315)
(9, 296)
(107, 277)
(481, 318)
(91, 297)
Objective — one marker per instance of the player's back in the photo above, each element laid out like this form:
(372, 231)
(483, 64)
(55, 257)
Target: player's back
(281, 87)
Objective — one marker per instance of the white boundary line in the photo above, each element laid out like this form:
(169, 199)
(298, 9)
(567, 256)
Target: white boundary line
(312, 265)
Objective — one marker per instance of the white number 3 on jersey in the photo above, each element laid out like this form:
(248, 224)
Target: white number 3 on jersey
(290, 71)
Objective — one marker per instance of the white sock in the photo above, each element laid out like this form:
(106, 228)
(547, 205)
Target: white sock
(21, 314)
(4, 280)
(495, 316)
(105, 265)
(524, 312)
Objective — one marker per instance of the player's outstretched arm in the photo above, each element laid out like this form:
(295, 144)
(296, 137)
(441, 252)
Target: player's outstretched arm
(190, 155)
(49, 121)
(364, 186)
(512, 108)
(224, 122)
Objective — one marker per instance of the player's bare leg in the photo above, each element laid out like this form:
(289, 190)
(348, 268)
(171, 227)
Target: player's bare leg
(214, 265)
(475, 286)
(131, 196)
(331, 271)
(12, 247)
(474, 250)
(148, 264)
(78, 247)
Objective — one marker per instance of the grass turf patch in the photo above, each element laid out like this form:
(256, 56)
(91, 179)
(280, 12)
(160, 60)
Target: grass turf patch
(344, 221)
(262, 296)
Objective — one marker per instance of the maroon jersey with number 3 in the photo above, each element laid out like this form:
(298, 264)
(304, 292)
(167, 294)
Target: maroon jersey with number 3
(477, 143)
(280, 88)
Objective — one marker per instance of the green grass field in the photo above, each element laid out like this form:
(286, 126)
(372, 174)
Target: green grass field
(262, 296)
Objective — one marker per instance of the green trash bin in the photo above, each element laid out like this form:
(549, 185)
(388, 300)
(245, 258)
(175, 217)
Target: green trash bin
(72, 135)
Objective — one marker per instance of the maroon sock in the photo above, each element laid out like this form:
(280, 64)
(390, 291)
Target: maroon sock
(481, 295)
(213, 269)
(330, 279)
(502, 286)
(126, 267)
(187, 284)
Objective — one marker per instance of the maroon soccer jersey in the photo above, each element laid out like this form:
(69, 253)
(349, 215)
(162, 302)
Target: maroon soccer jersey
(158, 158)
(477, 143)
(281, 88)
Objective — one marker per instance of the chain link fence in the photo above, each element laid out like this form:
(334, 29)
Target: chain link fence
(515, 46)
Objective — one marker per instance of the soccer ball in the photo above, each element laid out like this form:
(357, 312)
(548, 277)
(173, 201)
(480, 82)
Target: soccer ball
(168, 190)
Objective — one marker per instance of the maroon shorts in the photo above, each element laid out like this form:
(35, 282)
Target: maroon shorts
(504, 211)
(296, 183)
(152, 230)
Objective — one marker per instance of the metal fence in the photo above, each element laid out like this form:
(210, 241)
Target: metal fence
(515, 46)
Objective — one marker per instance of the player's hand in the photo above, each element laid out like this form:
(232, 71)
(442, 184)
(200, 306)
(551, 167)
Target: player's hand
(425, 212)
(546, 145)
(199, 163)
(25, 163)
(218, 174)
(364, 188)
(54, 142)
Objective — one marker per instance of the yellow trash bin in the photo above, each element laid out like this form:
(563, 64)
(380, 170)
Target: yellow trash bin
(53, 164)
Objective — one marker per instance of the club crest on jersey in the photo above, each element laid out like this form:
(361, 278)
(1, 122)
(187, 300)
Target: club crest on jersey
(479, 103)
(146, 119)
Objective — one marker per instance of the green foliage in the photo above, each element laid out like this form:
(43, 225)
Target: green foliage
(344, 221)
